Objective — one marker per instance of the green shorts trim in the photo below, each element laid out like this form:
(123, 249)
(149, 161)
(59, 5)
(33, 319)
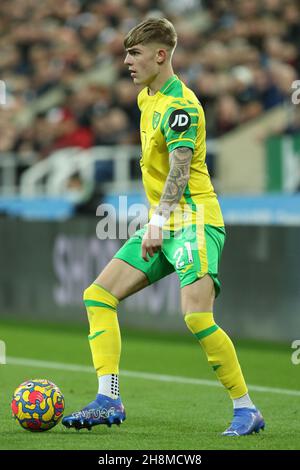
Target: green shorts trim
(192, 252)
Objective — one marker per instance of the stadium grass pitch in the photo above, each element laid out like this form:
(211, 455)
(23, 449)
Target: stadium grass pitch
(165, 409)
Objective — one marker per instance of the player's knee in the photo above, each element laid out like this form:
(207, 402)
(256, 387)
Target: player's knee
(198, 296)
(199, 321)
(97, 296)
(192, 321)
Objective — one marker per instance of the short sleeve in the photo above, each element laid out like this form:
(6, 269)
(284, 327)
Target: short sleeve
(179, 126)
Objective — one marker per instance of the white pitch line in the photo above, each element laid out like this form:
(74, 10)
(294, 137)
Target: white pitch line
(18, 361)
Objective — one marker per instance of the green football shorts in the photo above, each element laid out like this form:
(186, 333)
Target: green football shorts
(192, 252)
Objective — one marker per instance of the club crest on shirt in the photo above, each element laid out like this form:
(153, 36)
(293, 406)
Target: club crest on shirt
(155, 119)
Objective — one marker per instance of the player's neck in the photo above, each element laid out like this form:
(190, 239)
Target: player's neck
(159, 81)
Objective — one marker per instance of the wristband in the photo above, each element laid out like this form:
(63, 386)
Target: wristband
(158, 220)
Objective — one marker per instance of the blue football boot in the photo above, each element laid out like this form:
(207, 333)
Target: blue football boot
(103, 410)
(245, 421)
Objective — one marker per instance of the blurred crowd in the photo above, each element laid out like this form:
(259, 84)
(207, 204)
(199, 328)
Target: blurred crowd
(239, 56)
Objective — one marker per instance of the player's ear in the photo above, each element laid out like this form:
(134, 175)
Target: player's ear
(161, 56)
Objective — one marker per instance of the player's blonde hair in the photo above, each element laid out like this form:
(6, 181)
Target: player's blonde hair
(158, 30)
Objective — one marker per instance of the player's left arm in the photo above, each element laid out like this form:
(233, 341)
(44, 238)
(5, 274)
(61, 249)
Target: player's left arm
(179, 127)
(177, 179)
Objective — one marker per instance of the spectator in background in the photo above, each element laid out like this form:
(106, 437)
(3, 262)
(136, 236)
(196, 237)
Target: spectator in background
(248, 52)
(125, 97)
(227, 114)
(69, 132)
(110, 127)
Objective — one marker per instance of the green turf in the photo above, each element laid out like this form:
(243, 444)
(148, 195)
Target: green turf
(159, 415)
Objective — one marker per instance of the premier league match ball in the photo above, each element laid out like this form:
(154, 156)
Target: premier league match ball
(38, 405)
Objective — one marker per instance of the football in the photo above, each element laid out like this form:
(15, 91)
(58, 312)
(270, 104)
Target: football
(38, 405)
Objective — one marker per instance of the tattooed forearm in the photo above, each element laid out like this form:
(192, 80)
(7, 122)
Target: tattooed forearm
(180, 161)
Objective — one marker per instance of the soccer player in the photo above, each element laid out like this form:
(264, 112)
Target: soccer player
(176, 183)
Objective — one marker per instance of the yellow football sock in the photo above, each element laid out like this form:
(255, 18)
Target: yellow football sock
(105, 337)
(219, 350)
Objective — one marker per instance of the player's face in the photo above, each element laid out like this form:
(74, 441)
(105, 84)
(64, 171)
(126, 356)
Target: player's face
(142, 63)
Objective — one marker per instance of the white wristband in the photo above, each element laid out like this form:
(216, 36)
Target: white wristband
(158, 220)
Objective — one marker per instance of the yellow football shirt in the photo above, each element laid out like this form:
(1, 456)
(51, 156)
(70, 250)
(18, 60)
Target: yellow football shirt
(173, 117)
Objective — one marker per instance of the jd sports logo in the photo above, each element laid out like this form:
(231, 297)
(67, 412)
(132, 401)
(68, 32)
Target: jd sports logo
(179, 120)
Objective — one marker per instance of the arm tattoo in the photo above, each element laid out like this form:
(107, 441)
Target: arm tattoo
(180, 161)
